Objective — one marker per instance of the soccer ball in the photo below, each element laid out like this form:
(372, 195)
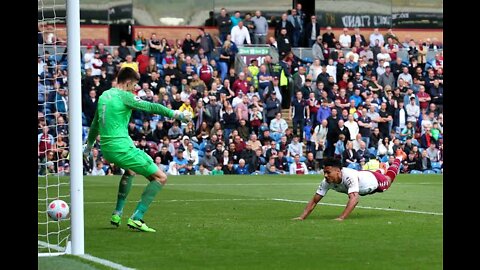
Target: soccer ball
(58, 210)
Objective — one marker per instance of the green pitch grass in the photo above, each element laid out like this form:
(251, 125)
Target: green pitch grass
(244, 222)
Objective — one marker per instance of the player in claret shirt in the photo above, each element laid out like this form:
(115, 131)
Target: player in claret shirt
(351, 182)
(111, 121)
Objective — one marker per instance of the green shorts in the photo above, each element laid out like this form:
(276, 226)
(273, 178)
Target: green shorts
(133, 159)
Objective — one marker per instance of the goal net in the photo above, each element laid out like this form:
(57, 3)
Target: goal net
(54, 126)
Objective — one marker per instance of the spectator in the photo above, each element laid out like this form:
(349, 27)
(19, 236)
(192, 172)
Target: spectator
(391, 48)
(227, 55)
(271, 169)
(299, 111)
(229, 168)
(144, 146)
(284, 23)
(129, 63)
(205, 42)
(211, 21)
(254, 143)
(173, 168)
(410, 163)
(295, 148)
(352, 127)
(413, 110)
(280, 161)
(350, 158)
(284, 44)
(383, 120)
(190, 153)
(98, 169)
(202, 170)
(242, 168)
(190, 170)
(180, 162)
(278, 126)
(298, 167)
(273, 106)
(385, 147)
(242, 108)
(329, 38)
(240, 34)
(175, 132)
(217, 170)
(400, 116)
(436, 92)
(376, 36)
(273, 87)
(212, 111)
(224, 23)
(165, 155)
(157, 160)
(299, 80)
(405, 76)
(312, 164)
(363, 153)
(345, 39)
(424, 164)
(208, 161)
(312, 31)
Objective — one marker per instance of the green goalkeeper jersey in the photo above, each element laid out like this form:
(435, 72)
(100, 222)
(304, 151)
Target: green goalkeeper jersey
(112, 116)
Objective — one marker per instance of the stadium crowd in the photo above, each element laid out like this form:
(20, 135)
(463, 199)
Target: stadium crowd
(355, 100)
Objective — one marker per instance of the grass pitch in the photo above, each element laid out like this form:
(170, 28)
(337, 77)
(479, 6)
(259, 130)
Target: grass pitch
(244, 222)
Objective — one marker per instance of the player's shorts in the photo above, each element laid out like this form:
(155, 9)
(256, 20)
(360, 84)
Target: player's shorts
(133, 159)
(383, 183)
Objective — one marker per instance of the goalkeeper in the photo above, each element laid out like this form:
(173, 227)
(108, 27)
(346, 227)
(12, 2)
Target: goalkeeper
(111, 121)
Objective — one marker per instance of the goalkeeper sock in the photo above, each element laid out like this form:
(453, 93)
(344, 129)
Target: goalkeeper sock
(123, 189)
(147, 197)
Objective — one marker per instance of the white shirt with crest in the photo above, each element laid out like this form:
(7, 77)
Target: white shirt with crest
(363, 182)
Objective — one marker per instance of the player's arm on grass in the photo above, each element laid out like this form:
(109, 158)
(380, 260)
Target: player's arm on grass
(310, 206)
(353, 197)
(135, 102)
(352, 202)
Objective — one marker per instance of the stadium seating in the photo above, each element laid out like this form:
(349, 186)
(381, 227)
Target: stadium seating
(87, 42)
(99, 40)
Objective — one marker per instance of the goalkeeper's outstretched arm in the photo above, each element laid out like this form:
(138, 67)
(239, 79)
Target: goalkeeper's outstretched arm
(135, 102)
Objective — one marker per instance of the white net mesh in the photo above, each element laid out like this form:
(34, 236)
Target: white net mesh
(53, 154)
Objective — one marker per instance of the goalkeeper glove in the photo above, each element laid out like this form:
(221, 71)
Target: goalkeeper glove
(86, 151)
(184, 116)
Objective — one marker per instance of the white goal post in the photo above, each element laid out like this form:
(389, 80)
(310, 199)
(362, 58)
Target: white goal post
(65, 236)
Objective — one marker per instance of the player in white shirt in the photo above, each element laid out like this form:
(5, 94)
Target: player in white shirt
(351, 182)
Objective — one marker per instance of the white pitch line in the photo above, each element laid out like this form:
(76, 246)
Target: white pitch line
(235, 184)
(287, 200)
(85, 256)
(273, 184)
(198, 200)
(367, 207)
(105, 262)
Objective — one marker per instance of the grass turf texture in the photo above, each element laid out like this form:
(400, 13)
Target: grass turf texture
(219, 222)
(68, 262)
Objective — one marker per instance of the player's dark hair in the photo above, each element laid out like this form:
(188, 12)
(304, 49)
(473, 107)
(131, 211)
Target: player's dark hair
(126, 74)
(333, 162)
